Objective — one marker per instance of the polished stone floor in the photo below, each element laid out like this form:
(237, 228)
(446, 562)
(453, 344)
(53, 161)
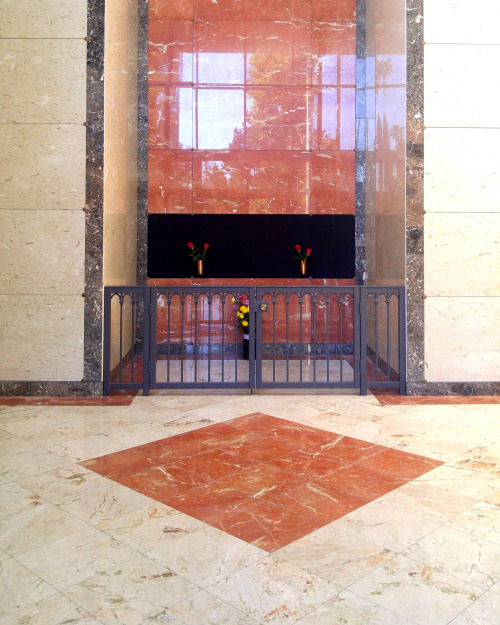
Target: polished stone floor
(309, 509)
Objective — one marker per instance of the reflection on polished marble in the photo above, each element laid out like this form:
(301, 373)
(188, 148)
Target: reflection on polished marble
(266, 480)
(76, 546)
(234, 370)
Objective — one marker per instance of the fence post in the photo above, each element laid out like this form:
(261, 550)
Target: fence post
(402, 340)
(107, 342)
(363, 388)
(146, 348)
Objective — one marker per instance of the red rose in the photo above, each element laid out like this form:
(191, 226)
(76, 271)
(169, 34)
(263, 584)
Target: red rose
(190, 245)
(309, 250)
(206, 246)
(297, 247)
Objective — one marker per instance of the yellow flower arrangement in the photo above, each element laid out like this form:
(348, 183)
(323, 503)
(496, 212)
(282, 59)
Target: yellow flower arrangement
(242, 310)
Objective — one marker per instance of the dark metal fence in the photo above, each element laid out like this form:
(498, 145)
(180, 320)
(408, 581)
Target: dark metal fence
(299, 337)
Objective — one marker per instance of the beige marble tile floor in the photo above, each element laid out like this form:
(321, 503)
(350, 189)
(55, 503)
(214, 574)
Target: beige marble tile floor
(76, 547)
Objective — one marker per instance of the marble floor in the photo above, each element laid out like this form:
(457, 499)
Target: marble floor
(244, 509)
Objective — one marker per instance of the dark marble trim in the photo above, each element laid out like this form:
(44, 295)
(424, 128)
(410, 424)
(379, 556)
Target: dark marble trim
(51, 389)
(454, 388)
(142, 142)
(415, 192)
(91, 383)
(360, 149)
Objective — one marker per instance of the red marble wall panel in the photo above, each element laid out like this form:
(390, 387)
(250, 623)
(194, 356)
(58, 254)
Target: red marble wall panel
(170, 51)
(258, 10)
(170, 117)
(332, 182)
(252, 53)
(332, 118)
(334, 10)
(333, 54)
(251, 182)
(170, 180)
(171, 9)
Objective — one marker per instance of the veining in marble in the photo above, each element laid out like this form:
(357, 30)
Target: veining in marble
(273, 591)
(468, 557)
(416, 591)
(31, 528)
(265, 480)
(20, 586)
(131, 592)
(98, 566)
(79, 556)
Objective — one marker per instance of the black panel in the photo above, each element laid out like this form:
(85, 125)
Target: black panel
(251, 246)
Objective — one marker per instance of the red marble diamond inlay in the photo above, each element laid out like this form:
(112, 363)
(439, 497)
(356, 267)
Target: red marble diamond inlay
(266, 480)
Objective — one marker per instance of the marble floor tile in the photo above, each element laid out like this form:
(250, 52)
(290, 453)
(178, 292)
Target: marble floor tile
(349, 609)
(461, 480)
(3, 555)
(16, 467)
(151, 527)
(87, 447)
(15, 499)
(131, 592)
(40, 524)
(27, 422)
(384, 525)
(69, 481)
(201, 609)
(55, 609)
(416, 591)
(483, 519)
(336, 556)
(428, 501)
(20, 587)
(70, 560)
(13, 445)
(274, 591)
(206, 556)
(51, 437)
(468, 557)
(484, 611)
(102, 502)
(482, 458)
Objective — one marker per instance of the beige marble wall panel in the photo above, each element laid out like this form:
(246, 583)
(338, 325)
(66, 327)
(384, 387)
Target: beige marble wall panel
(41, 337)
(115, 238)
(462, 340)
(389, 248)
(43, 81)
(461, 86)
(390, 31)
(462, 254)
(42, 251)
(42, 166)
(460, 21)
(462, 170)
(43, 19)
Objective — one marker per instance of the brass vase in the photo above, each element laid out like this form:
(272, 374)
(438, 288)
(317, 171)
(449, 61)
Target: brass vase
(200, 267)
(303, 267)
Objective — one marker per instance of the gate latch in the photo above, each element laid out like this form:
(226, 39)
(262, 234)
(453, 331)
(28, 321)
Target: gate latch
(263, 306)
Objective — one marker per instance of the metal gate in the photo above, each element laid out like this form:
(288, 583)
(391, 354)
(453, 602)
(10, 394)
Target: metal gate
(346, 337)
